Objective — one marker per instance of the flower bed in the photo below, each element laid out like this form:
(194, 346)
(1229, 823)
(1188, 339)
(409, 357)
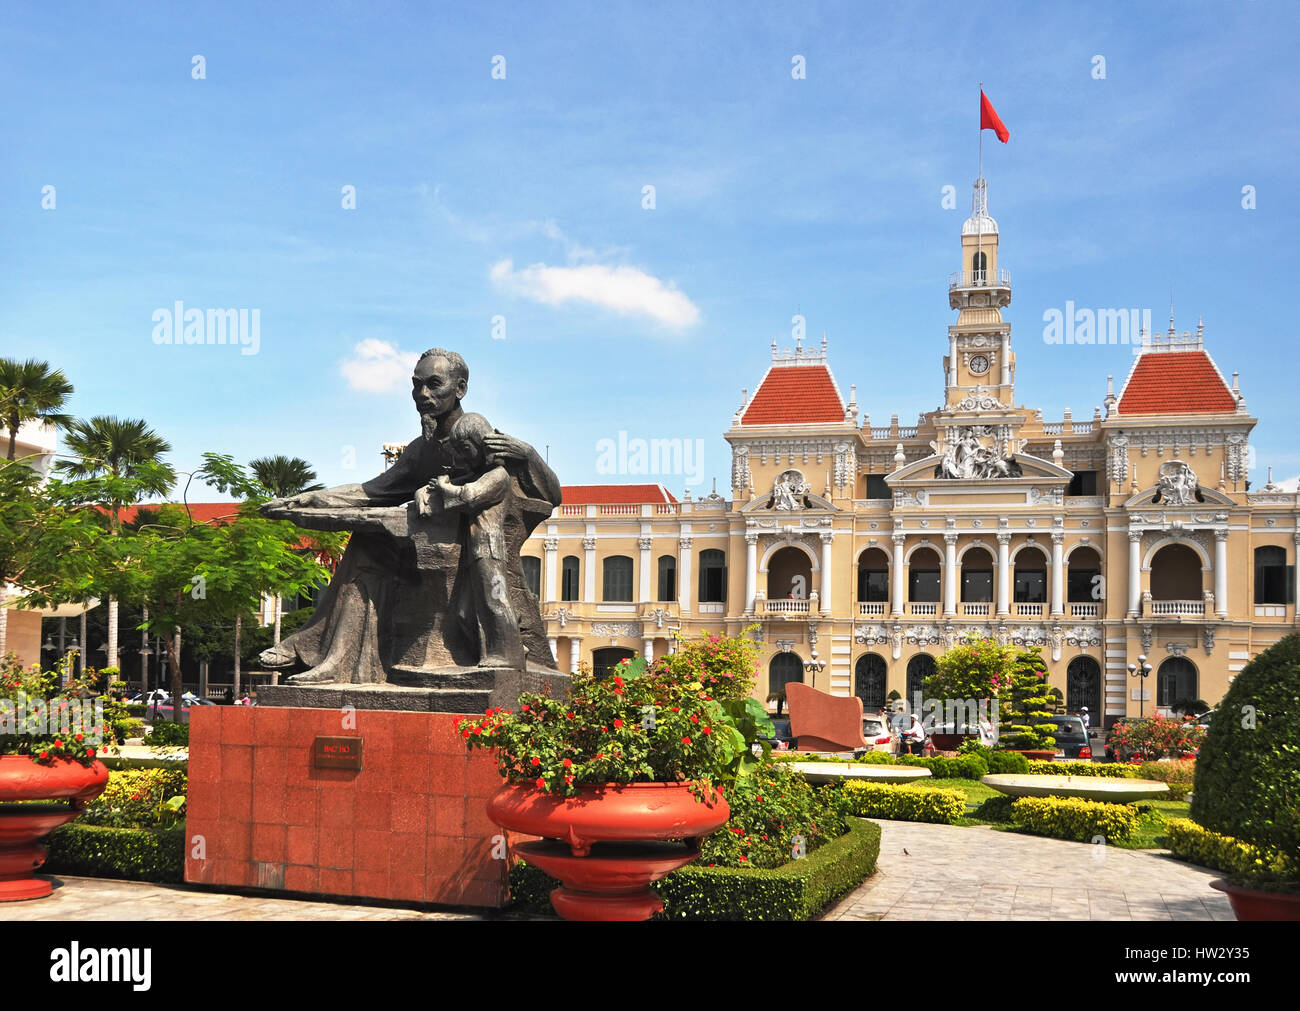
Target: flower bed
(905, 803)
(1080, 820)
(796, 890)
(140, 798)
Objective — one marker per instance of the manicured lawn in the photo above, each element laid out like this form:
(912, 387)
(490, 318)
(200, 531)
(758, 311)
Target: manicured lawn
(1151, 829)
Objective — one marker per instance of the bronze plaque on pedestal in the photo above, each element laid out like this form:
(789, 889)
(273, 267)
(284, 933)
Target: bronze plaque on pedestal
(337, 753)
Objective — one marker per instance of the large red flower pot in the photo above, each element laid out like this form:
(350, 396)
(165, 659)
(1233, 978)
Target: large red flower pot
(23, 825)
(610, 842)
(1249, 904)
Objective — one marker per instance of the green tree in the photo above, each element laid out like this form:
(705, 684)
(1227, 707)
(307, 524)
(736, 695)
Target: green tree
(1026, 706)
(31, 391)
(971, 671)
(284, 476)
(124, 455)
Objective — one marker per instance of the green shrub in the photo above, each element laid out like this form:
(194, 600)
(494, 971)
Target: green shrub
(771, 809)
(168, 735)
(1248, 769)
(877, 758)
(961, 767)
(127, 728)
(138, 798)
(999, 762)
(100, 851)
(905, 803)
(1026, 710)
(1240, 860)
(1081, 820)
(1104, 770)
(1178, 775)
(996, 809)
(797, 890)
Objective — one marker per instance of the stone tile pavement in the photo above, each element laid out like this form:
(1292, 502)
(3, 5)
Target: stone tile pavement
(952, 872)
(99, 899)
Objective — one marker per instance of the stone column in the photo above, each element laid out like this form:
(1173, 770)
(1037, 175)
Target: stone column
(1221, 573)
(952, 360)
(554, 643)
(827, 582)
(684, 574)
(644, 543)
(1005, 354)
(751, 571)
(548, 577)
(1058, 573)
(949, 574)
(896, 605)
(575, 653)
(648, 650)
(1134, 573)
(589, 570)
(1004, 574)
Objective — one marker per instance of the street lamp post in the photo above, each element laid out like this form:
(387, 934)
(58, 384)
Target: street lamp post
(814, 667)
(1143, 670)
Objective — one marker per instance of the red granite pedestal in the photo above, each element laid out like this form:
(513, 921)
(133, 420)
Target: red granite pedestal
(411, 825)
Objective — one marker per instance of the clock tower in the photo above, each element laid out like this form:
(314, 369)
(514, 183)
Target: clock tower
(979, 360)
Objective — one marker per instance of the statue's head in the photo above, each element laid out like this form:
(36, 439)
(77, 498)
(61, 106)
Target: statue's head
(440, 381)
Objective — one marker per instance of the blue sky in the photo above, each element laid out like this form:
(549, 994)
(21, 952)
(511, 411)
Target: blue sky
(521, 197)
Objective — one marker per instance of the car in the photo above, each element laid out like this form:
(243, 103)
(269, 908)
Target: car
(1071, 738)
(877, 733)
(781, 739)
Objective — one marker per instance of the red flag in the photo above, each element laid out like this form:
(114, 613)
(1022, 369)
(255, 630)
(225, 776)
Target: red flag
(989, 118)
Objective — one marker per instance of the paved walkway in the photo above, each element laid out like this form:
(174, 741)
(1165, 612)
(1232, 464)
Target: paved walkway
(99, 899)
(952, 872)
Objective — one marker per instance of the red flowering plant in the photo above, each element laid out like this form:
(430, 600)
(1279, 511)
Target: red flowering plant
(686, 717)
(49, 716)
(1154, 738)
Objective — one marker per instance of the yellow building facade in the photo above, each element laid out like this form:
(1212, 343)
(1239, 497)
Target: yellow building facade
(863, 552)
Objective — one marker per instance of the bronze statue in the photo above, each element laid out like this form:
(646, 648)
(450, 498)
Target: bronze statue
(430, 584)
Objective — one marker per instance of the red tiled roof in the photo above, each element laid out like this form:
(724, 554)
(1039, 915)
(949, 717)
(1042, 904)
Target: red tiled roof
(202, 512)
(1176, 382)
(615, 494)
(795, 394)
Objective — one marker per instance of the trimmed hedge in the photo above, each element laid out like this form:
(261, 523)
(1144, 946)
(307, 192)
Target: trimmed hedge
(1104, 770)
(996, 808)
(1080, 820)
(905, 803)
(961, 767)
(1189, 841)
(1178, 775)
(135, 854)
(798, 890)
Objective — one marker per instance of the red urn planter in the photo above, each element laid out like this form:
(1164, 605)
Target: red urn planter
(22, 826)
(949, 742)
(1249, 904)
(610, 842)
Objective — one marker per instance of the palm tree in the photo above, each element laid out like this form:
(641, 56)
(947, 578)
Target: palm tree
(31, 391)
(282, 476)
(118, 448)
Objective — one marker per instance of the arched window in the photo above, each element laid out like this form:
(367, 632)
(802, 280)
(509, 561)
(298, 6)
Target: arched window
(605, 660)
(919, 668)
(618, 578)
(1083, 687)
(1083, 584)
(713, 576)
(1274, 579)
(1176, 573)
(873, 577)
(1030, 577)
(869, 681)
(977, 577)
(1175, 681)
(789, 575)
(782, 669)
(532, 574)
(980, 266)
(569, 578)
(667, 577)
(923, 577)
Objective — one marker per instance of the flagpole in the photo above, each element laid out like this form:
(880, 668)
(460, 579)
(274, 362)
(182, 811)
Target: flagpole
(979, 217)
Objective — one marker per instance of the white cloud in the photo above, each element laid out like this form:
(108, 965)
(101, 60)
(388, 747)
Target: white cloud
(377, 366)
(626, 290)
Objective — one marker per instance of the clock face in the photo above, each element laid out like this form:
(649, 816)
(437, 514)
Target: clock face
(979, 364)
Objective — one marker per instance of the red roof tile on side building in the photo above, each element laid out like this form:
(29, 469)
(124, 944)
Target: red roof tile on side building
(615, 494)
(1183, 382)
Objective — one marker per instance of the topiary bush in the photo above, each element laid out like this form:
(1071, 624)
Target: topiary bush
(999, 762)
(961, 767)
(905, 803)
(1248, 769)
(1100, 770)
(1081, 820)
(1026, 709)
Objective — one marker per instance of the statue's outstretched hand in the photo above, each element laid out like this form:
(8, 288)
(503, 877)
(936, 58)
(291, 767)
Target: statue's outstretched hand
(427, 500)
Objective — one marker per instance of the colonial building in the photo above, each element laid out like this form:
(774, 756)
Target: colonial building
(862, 552)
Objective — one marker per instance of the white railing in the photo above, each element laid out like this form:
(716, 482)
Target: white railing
(922, 609)
(573, 510)
(881, 433)
(872, 609)
(1187, 608)
(663, 508)
(785, 606)
(980, 610)
(1083, 427)
(1054, 428)
(1085, 610)
(620, 509)
(907, 433)
(1000, 278)
(1030, 610)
